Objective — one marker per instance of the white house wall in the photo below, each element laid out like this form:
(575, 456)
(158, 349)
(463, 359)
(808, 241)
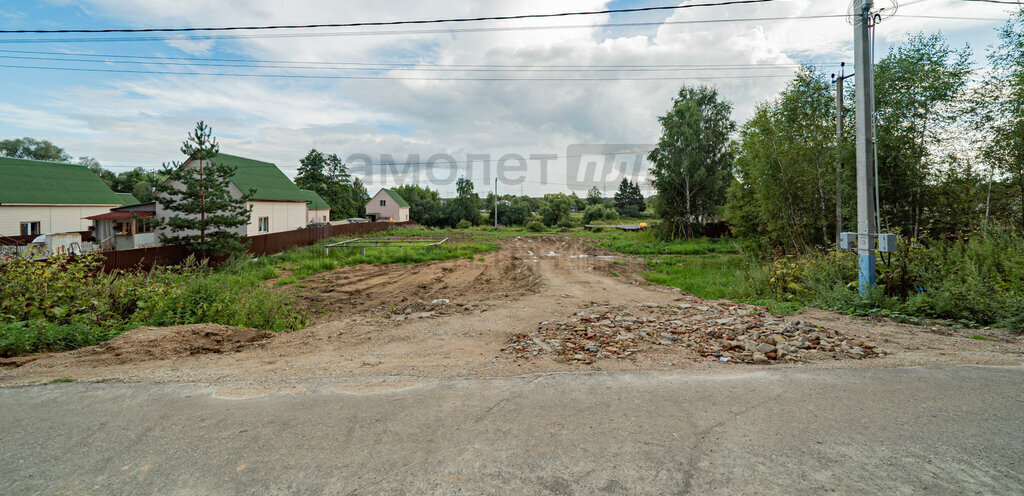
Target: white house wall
(284, 216)
(323, 215)
(51, 218)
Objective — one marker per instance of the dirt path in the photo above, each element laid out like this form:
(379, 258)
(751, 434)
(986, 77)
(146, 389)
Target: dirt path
(453, 318)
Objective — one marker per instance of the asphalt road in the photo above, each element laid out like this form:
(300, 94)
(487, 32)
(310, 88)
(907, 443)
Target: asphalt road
(937, 430)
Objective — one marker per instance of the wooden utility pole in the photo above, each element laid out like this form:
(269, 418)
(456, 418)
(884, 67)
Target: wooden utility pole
(839, 146)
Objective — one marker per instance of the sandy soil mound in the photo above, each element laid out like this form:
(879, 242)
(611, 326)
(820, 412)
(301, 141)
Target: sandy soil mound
(154, 343)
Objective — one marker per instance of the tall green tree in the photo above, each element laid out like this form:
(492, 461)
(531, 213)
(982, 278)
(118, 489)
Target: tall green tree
(917, 86)
(594, 196)
(33, 149)
(556, 208)
(629, 200)
(1004, 115)
(424, 205)
(359, 196)
(328, 176)
(206, 217)
(692, 161)
(465, 206)
(785, 167)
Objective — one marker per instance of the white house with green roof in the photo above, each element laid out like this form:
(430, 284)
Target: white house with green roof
(277, 203)
(387, 205)
(39, 197)
(317, 209)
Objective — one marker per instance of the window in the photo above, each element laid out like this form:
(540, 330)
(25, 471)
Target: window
(383, 203)
(264, 224)
(144, 226)
(30, 228)
(122, 228)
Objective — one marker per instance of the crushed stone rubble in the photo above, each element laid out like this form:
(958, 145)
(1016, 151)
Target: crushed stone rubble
(722, 331)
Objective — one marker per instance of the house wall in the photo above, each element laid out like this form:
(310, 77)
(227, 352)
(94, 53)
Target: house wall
(322, 215)
(390, 209)
(51, 218)
(284, 216)
(161, 213)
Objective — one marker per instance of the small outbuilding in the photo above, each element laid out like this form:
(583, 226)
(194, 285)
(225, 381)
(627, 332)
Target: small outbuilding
(387, 206)
(317, 209)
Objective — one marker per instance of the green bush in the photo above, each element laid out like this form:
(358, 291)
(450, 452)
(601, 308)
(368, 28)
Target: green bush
(567, 223)
(535, 225)
(464, 224)
(979, 281)
(598, 213)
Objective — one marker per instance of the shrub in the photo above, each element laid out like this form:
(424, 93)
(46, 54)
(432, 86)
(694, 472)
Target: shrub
(464, 224)
(599, 212)
(976, 282)
(535, 225)
(567, 223)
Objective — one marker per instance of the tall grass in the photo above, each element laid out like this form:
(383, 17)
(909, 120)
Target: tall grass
(307, 261)
(69, 303)
(716, 276)
(646, 243)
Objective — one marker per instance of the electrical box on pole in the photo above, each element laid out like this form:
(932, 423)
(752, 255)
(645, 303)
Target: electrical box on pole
(863, 18)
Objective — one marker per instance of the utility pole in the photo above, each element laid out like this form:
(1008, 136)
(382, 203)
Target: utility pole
(865, 100)
(495, 203)
(839, 141)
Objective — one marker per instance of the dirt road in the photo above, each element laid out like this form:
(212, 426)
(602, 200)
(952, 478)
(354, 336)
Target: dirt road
(454, 318)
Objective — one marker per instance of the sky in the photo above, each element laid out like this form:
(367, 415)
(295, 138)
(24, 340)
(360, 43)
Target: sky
(128, 109)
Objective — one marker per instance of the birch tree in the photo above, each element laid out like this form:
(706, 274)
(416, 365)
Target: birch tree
(692, 161)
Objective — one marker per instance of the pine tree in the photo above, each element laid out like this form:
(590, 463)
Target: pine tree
(207, 217)
(629, 201)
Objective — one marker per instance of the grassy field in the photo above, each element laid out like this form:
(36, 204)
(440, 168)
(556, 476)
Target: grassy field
(310, 260)
(68, 303)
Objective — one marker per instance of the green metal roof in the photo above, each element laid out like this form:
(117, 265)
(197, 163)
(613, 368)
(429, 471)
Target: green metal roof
(264, 177)
(397, 197)
(315, 202)
(127, 199)
(52, 183)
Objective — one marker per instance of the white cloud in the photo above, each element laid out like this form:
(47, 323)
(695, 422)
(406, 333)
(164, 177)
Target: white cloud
(142, 120)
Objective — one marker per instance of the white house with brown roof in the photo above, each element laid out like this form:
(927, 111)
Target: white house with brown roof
(387, 205)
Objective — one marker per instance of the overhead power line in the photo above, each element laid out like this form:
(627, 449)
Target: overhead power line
(415, 32)
(458, 30)
(385, 65)
(389, 23)
(261, 65)
(1004, 2)
(399, 78)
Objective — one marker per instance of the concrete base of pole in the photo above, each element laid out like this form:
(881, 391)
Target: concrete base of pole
(865, 272)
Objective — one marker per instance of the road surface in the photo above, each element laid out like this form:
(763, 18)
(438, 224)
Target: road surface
(923, 430)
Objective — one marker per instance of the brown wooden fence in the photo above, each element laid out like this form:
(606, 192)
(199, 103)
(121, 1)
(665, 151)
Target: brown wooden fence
(264, 244)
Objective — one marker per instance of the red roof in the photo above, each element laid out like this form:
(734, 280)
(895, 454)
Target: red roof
(119, 214)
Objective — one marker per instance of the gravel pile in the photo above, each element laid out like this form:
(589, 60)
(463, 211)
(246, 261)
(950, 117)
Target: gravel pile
(721, 331)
